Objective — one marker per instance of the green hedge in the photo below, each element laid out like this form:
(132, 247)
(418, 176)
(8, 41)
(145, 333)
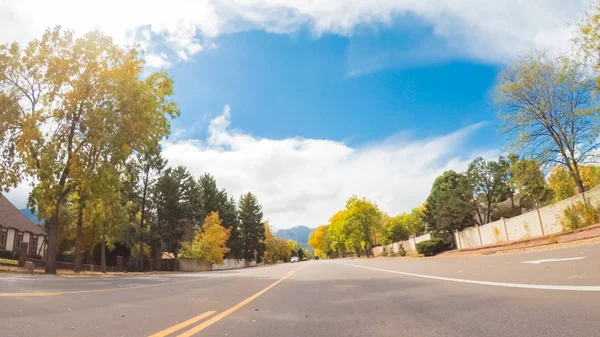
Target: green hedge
(430, 247)
(5, 254)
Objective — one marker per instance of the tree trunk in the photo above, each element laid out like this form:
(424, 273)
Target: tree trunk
(156, 258)
(142, 216)
(78, 239)
(52, 244)
(477, 210)
(577, 178)
(103, 251)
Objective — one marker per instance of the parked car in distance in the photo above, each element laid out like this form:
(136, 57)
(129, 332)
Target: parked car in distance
(316, 257)
(295, 259)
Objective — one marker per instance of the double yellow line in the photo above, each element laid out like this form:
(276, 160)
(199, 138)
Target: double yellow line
(218, 317)
(180, 326)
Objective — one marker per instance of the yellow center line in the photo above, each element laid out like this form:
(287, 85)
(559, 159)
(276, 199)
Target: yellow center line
(180, 326)
(57, 293)
(229, 311)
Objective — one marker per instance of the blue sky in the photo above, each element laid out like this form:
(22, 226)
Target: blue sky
(297, 85)
(306, 102)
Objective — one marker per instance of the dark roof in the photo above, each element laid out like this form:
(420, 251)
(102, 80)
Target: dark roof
(11, 217)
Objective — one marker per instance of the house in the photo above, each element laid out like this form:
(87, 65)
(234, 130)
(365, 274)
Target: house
(16, 228)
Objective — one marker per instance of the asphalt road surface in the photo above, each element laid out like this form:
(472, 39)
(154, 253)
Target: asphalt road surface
(543, 293)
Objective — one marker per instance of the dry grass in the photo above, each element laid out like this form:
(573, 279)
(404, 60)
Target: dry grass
(413, 254)
(7, 261)
(70, 273)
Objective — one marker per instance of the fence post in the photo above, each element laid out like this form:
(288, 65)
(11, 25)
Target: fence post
(540, 218)
(23, 249)
(459, 240)
(119, 263)
(480, 240)
(505, 230)
(415, 240)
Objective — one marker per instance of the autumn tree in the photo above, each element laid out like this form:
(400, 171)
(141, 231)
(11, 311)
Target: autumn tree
(527, 177)
(318, 240)
(277, 248)
(364, 217)
(209, 244)
(294, 247)
(414, 221)
(252, 230)
(58, 95)
(547, 106)
(270, 254)
(587, 39)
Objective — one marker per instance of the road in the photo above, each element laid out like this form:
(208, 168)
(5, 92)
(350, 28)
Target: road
(523, 294)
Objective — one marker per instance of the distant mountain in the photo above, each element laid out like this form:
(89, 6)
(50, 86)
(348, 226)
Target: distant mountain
(299, 234)
(31, 216)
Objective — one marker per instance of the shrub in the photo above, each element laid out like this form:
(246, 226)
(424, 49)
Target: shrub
(393, 254)
(430, 247)
(5, 254)
(552, 239)
(384, 252)
(579, 215)
(401, 251)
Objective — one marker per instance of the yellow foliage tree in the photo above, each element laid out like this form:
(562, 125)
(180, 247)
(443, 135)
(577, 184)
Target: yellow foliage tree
(210, 244)
(70, 105)
(317, 240)
(563, 185)
(277, 248)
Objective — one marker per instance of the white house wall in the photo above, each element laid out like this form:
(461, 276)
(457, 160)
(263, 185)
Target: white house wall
(10, 239)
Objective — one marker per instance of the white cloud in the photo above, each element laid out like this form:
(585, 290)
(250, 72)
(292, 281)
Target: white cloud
(491, 32)
(304, 181)
(157, 60)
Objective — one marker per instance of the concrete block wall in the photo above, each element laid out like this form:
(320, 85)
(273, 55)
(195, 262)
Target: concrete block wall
(230, 264)
(530, 224)
(409, 245)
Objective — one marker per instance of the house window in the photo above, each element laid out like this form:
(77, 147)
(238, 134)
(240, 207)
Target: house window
(18, 240)
(33, 245)
(3, 235)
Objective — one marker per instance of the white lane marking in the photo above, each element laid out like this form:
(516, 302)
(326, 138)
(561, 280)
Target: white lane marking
(486, 283)
(555, 260)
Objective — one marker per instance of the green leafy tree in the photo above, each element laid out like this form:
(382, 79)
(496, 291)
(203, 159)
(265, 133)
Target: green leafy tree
(395, 229)
(174, 216)
(252, 229)
(489, 185)
(215, 200)
(449, 206)
(58, 97)
(548, 107)
(145, 170)
(231, 222)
